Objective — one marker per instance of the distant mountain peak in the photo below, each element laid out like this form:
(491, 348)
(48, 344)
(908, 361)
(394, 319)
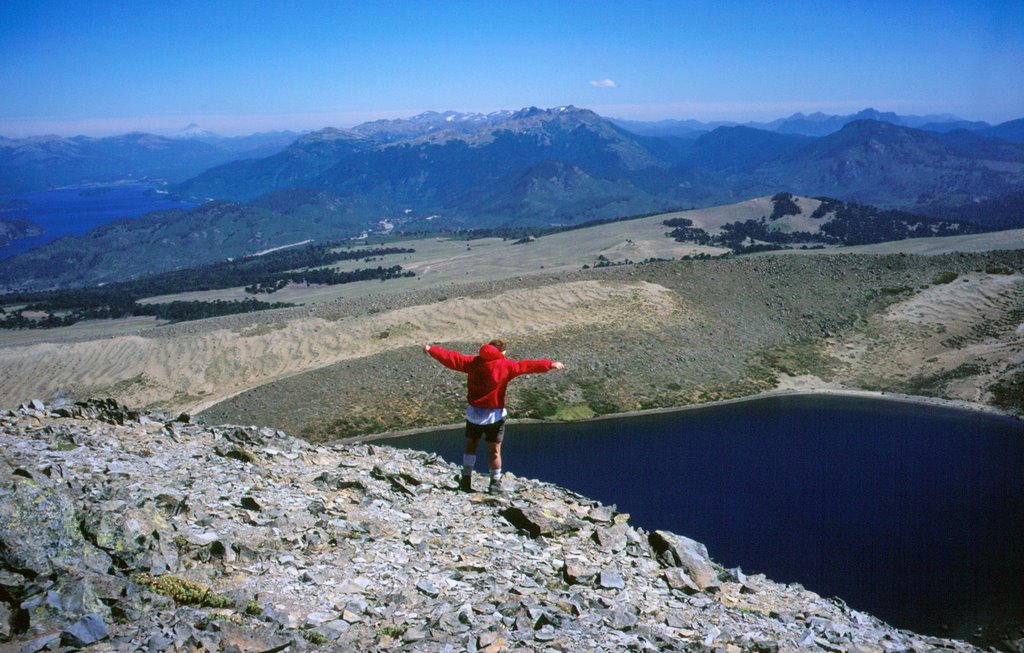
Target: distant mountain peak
(429, 124)
(193, 130)
(565, 110)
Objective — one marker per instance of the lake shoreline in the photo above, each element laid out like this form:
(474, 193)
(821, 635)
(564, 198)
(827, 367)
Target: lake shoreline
(788, 387)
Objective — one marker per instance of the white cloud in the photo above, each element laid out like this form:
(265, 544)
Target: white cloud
(603, 83)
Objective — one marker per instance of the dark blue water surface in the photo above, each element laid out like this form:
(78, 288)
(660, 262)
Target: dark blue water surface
(74, 211)
(912, 513)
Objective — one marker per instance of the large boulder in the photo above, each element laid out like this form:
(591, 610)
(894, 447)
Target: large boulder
(547, 520)
(678, 551)
(39, 531)
(72, 596)
(138, 538)
(49, 570)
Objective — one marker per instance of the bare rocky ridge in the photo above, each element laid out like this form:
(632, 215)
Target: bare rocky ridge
(127, 531)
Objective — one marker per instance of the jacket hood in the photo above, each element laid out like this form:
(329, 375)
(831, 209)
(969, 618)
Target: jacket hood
(489, 352)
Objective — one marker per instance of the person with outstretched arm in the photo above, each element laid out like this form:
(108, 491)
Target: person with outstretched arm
(488, 374)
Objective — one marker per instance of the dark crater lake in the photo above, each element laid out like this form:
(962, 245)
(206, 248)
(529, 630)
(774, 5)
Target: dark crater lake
(910, 512)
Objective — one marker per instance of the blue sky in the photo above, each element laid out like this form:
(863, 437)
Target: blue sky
(235, 67)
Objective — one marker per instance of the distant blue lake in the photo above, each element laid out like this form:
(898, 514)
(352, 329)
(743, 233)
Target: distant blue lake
(912, 513)
(74, 211)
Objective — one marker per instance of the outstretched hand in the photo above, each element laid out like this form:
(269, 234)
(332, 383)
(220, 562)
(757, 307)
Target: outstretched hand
(426, 349)
(558, 365)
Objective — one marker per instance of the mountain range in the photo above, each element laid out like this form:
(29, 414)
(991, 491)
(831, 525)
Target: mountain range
(559, 165)
(566, 165)
(451, 171)
(43, 162)
(821, 124)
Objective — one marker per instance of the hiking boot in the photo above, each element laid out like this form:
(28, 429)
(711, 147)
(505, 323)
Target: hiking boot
(496, 487)
(466, 483)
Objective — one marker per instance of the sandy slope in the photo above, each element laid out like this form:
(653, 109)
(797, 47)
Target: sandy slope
(189, 371)
(957, 338)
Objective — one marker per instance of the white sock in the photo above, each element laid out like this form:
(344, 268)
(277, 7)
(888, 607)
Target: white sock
(496, 473)
(468, 462)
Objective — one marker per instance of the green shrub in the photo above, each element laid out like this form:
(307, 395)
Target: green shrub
(253, 607)
(1008, 393)
(183, 591)
(945, 277)
(314, 637)
(998, 269)
(392, 631)
(896, 290)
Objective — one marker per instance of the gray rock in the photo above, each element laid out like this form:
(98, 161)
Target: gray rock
(677, 551)
(490, 641)
(613, 538)
(545, 634)
(39, 531)
(37, 644)
(428, 588)
(238, 453)
(677, 619)
(72, 597)
(158, 642)
(317, 619)
(241, 639)
(540, 521)
(611, 579)
(286, 615)
(808, 639)
(541, 617)
(140, 539)
(712, 634)
(13, 584)
(87, 630)
(678, 579)
(601, 514)
(414, 635)
(335, 629)
(620, 618)
(354, 585)
(576, 573)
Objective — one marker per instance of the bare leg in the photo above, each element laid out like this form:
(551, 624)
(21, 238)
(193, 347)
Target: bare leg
(494, 451)
(468, 461)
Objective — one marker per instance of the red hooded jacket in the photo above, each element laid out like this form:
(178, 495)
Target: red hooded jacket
(489, 372)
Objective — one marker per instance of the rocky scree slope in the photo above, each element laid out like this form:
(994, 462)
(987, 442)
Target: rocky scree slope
(126, 531)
